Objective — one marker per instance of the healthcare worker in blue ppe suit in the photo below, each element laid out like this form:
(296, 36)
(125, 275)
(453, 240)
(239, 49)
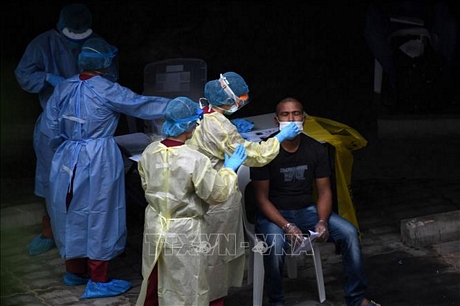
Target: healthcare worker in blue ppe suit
(87, 194)
(49, 59)
(215, 137)
(180, 185)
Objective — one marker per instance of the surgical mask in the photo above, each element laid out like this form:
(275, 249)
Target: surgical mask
(227, 112)
(283, 124)
(232, 109)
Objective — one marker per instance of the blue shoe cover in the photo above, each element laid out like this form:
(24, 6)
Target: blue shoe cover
(71, 279)
(99, 290)
(40, 245)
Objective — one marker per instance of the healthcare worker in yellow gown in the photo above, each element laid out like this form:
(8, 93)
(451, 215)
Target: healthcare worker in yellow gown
(180, 184)
(216, 136)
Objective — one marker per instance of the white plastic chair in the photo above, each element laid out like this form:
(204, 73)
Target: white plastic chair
(256, 264)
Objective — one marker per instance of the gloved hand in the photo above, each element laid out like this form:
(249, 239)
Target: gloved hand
(323, 232)
(238, 157)
(54, 79)
(294, 234)
(289, 132)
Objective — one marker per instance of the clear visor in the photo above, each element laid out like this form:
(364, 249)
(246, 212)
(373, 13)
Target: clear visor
(241, 100)
(96, 54)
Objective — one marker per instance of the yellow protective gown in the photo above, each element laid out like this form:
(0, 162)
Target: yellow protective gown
(180, 184)
(215, 136)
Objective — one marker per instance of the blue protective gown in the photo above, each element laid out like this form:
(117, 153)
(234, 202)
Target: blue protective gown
(49, 52)
(80, 119)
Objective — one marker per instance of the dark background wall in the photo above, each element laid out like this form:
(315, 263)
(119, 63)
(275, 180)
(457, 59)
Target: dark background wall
(313, 50)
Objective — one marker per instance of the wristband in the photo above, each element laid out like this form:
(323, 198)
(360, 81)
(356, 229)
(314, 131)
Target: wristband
(323, 221)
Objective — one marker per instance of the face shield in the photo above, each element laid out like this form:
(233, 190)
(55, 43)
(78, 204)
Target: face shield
(90, 57)
(239, 101)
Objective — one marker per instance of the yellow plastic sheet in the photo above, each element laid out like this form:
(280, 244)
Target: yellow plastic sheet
(345, 140)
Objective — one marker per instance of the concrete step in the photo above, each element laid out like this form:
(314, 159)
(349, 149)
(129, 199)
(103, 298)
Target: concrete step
(418, 126)
(431, 229)
(22, 215)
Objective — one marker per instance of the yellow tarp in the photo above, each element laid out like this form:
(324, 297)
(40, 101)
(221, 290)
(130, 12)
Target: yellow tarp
(345, 140)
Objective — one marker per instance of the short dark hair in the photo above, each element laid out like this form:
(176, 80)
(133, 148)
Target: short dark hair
(286, 100)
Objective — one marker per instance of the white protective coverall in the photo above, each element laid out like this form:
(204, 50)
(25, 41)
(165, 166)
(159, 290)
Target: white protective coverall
(80, 119)
(215, 136)
(180, 184)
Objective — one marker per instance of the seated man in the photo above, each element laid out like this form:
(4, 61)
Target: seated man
(283, 191)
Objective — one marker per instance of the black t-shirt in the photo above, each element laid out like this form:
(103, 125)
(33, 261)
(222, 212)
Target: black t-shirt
(292, 175)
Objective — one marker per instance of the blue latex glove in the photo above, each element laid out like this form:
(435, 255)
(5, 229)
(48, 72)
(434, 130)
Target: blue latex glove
(54, 79)
(243, 125)
(238, 157)
(288, 132)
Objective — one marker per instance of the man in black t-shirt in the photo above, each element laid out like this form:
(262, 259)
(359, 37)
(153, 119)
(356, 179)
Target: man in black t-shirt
(283, 191)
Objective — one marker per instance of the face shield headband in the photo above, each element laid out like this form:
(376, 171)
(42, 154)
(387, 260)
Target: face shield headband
(98, 54)
(240, 101)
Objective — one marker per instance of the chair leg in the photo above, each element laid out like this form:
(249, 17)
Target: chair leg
(378, 75)
(319, 273)
(258, 285)
(291, 263)
(251, 269)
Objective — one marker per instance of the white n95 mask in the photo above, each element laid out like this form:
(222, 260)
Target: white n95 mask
(283, 124)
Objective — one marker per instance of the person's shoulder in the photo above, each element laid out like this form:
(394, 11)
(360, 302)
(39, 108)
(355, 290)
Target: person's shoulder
(105, 83)
(192, 152)
(149, 151)
(219, 119)
(44, 37)
(310, 140)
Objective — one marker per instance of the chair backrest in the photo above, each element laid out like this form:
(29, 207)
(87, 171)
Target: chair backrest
(172, 78)
(176, 77)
